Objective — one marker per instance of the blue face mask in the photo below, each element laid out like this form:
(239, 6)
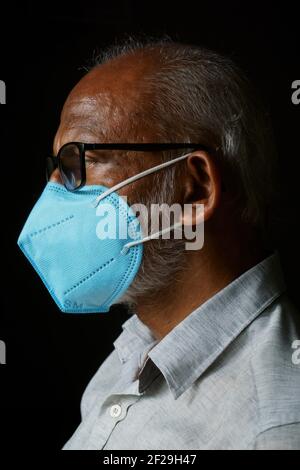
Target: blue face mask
(86, 245)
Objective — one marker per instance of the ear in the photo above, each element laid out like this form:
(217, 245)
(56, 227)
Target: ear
(202, 186)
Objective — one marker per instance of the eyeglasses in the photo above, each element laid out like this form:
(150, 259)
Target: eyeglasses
(71, 160)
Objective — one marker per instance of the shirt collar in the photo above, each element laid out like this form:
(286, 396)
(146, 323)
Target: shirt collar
(194, 344)
(135, 339)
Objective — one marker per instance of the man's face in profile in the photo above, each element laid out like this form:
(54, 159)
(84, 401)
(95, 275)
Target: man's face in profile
(111, 104)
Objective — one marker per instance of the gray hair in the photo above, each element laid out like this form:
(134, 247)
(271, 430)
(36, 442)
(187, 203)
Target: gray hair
(197, 95)
(163, 260)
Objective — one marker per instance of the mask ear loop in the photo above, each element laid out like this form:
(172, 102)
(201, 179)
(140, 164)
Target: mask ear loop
(118, 186)
(150, 237)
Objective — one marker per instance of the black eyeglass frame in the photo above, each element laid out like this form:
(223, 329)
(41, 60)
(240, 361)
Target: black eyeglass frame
(142, 147)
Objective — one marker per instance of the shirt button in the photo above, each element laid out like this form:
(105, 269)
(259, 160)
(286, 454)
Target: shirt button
(115, 411)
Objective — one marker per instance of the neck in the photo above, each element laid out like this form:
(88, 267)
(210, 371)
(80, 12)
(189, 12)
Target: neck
(206, 273)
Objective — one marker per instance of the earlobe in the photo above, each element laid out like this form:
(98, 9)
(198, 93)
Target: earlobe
(203, 187)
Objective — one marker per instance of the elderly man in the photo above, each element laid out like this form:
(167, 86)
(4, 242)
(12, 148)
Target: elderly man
(208, 357)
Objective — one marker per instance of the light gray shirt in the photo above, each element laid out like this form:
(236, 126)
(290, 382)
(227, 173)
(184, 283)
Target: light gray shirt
(226, 377)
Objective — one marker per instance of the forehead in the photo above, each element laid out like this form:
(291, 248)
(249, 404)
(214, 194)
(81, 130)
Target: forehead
(109, 100)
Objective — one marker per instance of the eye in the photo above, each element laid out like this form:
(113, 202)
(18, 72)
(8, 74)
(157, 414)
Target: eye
(89, 161)
(95, 157)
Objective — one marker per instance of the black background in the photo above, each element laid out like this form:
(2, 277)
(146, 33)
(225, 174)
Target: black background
(50, 355)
